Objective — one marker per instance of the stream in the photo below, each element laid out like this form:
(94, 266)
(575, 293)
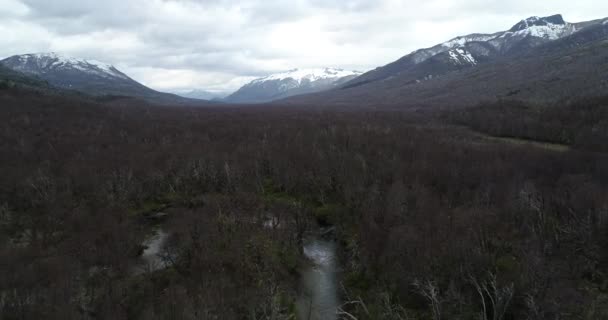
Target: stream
(318, 299)
(150, 259)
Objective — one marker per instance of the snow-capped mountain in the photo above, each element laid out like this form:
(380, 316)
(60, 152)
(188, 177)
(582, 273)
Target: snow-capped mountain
(290, 83)
(88, 76)
(51, 62)
(470, 50)
(541, 60)
(310, 75)
(535, 29)
(202, 94)
(552, 27)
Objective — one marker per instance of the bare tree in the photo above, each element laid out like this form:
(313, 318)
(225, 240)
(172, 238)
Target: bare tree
(498, 299)
(430, 291)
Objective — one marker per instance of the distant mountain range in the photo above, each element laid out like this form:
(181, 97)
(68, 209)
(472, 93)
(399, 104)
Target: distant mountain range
(203, 95)
(539, 58)
(291, 83)
(467, 51)
(87, 76)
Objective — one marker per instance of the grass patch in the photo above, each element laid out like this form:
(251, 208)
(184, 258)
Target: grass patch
(538, 144)
(157, 204)
(328, 214)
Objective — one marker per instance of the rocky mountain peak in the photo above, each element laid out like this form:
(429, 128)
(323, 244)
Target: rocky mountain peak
(538, 21)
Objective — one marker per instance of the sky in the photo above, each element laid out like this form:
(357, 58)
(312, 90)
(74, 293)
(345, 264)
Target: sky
(219, 45)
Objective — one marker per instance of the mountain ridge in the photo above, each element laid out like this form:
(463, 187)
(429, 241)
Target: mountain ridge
(291, 83)
(527, 33)
(91, 77)
(523, 73)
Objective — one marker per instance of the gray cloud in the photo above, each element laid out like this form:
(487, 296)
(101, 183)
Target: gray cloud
(219, 44)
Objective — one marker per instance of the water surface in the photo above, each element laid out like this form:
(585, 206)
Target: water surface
(318, 297)
(151, 258)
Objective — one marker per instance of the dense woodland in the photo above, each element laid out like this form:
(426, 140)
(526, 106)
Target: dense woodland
(582, 123)
(434, 220)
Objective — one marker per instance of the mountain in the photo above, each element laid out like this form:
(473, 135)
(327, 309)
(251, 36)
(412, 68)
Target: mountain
(88, 76)
(291, 83)
(10, 78)
(539, 59)
(203, 95)
(467, 51)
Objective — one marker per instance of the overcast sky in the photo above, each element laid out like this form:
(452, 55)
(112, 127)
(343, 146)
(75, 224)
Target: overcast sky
(217, 45)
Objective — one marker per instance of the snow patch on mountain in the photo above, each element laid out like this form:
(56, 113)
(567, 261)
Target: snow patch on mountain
(526, 23)
(461, 56)
(311, 75)
(51, 61)
(461, 41)
(549, 31)
(294, 82)
(201, 94)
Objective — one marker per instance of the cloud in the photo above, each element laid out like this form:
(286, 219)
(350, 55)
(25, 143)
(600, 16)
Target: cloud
(219, 44)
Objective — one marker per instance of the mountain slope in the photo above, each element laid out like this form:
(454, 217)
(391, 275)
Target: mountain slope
(526, 34)
(550, 68)
(10, 78)
(87, 76)
(291, 83)
(202, 95)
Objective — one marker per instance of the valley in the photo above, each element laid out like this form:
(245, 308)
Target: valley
(408, 201)
(467, 180)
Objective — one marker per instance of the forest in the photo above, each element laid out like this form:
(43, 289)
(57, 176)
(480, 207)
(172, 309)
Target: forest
(433, 216)
(581, 123)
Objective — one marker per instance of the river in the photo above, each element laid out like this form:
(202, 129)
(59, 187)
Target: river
(318, 298)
